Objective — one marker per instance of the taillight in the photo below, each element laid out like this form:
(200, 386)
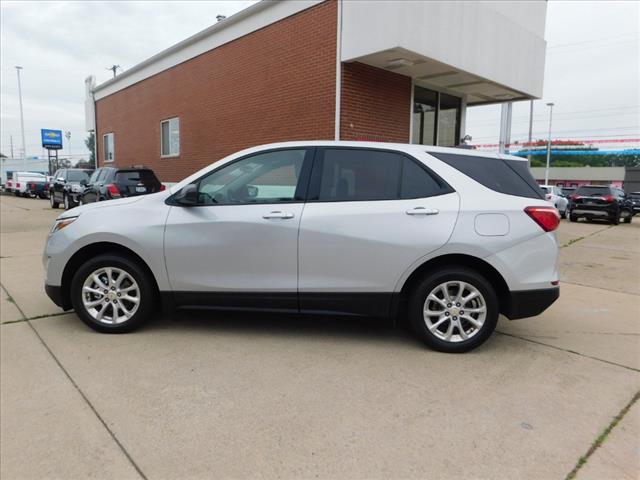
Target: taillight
(546, 217)
(18, 185)
(113, 190)
(162, 187)
(609, 198)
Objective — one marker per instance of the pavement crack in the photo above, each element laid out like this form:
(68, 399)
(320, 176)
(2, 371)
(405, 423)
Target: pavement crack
(525, 339)
(599, 288)
(78, 389)
(576, 240)
(597, 443)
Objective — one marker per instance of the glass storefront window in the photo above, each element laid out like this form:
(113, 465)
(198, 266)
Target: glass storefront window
(449, 121)
(435, 116)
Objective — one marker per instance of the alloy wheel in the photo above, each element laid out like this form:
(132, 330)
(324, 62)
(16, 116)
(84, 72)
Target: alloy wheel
(110, 295)
(455, 311)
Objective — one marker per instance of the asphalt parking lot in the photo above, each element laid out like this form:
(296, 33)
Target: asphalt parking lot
(244, 396)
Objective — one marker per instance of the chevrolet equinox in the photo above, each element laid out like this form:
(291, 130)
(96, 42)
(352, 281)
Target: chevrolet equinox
(448, 238)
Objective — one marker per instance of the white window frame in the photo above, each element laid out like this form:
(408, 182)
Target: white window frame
(170, 154)
(113, 147)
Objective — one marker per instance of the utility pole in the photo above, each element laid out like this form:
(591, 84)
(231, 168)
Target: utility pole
(67, 134)
(113, 68)
(530, 130)
(546, 170)
(11, 144)
(24, 148)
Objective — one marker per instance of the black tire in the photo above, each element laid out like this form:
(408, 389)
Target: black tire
(573, 218)
(53, 202)
(627, 218)
(563, 214)
(147, 294)
(447, 274)
(615, 219)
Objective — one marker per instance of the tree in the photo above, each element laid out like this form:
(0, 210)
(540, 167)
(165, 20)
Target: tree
(90, 142)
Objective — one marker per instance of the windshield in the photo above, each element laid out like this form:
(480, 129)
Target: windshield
(77, 176)
(593, 191)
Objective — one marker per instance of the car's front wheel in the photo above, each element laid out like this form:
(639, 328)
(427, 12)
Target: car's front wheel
(454, 309)
(53, 202)
(112, 294)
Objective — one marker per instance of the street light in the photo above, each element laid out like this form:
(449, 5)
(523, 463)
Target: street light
(546, 170)
(24, 149)
(67, 134)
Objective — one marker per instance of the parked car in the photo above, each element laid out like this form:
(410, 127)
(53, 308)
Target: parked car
(108, 183)
(566, 191)
(634, 198)
(26, 184)
(67, 186)
(450, 237)
(554, 195)
(600, 202)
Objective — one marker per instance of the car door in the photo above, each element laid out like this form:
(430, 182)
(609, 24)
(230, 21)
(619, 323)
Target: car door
(89, 194)
(59, 183)
(242, 235)
(370, 215)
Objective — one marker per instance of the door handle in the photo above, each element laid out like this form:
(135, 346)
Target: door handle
(422, 211)
(277, 214)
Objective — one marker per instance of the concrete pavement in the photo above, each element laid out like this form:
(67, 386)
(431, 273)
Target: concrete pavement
(245, 396)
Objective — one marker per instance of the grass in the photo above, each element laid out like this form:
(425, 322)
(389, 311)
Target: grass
(602, 437)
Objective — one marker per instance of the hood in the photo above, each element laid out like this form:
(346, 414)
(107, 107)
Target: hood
(89, 207)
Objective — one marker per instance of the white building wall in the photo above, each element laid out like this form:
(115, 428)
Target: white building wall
(499, 41)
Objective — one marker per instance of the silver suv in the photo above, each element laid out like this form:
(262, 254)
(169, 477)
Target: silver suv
(448, 238)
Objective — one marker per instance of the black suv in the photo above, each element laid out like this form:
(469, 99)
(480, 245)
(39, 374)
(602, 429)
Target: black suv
(600, 202)
(634, 197)
(67, 186)
(108, 183)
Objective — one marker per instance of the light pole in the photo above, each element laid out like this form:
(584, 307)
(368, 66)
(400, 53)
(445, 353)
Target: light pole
(24, 149)
(67, 134)
(546, 170)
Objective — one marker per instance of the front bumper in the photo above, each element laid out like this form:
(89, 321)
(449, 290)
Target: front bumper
(55, 294)
(529, 303)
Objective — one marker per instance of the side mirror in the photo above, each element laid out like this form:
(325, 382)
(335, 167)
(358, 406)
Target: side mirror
(188, 196)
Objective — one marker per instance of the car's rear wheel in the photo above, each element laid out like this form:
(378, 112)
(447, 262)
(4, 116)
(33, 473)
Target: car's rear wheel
(573, 218)
(112, 294)
(454, 309)
(53, 202)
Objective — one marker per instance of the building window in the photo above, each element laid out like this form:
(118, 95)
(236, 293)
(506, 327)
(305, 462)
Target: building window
(436, 118)
(109, 147)
(170, 137)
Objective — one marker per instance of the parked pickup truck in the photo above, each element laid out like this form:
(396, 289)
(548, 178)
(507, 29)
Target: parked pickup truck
(28, 184)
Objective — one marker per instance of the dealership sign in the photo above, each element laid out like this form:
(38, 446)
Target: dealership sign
(51, 139)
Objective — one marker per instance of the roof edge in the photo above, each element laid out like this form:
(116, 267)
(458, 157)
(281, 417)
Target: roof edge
(219, 27)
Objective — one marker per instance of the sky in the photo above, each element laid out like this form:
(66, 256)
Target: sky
(592, 71)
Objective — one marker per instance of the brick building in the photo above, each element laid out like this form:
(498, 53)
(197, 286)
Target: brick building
(309, 69)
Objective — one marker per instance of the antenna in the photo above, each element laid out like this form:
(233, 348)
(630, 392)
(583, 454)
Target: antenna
(113, 68)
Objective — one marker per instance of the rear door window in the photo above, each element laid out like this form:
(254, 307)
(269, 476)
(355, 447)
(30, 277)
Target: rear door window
(352, 174)
(511, 177)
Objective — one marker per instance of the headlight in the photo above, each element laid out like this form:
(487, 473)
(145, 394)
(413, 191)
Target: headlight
(62, 223)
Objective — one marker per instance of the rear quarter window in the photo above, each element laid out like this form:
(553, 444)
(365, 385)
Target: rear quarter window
(511, 177)
(593, 191)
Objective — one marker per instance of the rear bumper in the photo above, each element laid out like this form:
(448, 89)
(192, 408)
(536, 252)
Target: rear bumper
(529, 303)
(591, 213)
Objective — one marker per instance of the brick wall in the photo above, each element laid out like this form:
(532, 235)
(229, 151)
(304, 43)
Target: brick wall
(271, 85)
(376, 104)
